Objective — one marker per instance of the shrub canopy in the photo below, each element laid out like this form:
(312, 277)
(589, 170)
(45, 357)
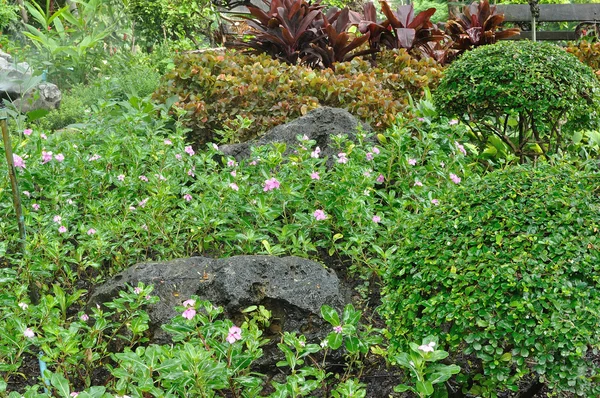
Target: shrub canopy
(526, 93)
(505, 270)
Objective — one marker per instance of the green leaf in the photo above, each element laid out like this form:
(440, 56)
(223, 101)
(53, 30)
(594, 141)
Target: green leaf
(330, 315)
(424, 387)
(335, 340)
(61, 384)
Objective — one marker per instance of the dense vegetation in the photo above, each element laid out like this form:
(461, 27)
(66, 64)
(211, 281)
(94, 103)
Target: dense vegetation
(481, 259)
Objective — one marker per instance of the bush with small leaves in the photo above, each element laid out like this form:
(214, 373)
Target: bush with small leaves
(506, 269)
(530, 96)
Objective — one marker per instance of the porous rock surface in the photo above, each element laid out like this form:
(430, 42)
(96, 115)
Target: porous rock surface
(319, 124)
(292, 288)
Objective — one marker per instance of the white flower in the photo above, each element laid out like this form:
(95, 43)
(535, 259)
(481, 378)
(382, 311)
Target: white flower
(427, 347)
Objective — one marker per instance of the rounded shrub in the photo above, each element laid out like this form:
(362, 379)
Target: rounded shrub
(506, 271)
(530, 96)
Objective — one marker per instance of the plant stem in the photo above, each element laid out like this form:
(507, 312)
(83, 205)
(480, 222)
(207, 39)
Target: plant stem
(13, 180)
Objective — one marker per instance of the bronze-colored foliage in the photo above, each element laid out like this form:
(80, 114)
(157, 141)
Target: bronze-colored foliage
(214, 88)
(477, 25)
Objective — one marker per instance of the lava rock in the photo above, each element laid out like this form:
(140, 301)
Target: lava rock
(292, 288)
(319, 124)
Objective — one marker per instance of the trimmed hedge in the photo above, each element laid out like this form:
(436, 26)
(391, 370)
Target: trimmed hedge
(507, 272)
(215, 88)
(530, 95)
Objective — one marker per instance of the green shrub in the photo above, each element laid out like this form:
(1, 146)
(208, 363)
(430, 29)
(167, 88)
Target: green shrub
(137, 80)
(216, 88)
(8, 14)
(507, 269)
(530, 96)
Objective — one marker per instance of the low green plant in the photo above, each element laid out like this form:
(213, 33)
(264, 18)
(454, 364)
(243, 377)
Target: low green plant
(421, 364)
(510, 95)
(504, 270)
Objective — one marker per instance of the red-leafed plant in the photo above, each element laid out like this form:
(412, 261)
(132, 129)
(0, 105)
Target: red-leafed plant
(405, 30)
(476, 26)
(339, 44)
(286, 30)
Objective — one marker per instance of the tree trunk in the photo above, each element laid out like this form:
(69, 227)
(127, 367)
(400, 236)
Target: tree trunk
(24, 16)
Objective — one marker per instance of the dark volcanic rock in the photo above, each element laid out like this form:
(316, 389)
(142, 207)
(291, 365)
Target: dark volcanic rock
(319, 125)
(292, 288)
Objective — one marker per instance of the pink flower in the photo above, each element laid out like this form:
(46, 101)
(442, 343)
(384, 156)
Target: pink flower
(418, 183)
(143, 203)
(137, 290)
(337, 329)
(23, 306)
(167, 142)
(46, 157)
(62, 229)
(234, 334)
(57, 219)
(231, 163)
(18, 161)
(160, 177)
(380, 178)
(189, 150)
(132, 208)
(215, 147)
(442, 164)
(84, 317)
(435, 202)
(121, 177)
(304, 138)
(26, 193)
(74, 394)
(234, 186)
(375, 150)
(453, 122)
(178, 156)
(460, 148)
(253, 163)
(320, 215)
(187, 197)
(59, 158)
(43, 136)
(143, 178)
(189, 303)
(342, 158)
(91, 231)
(315, 154)
(27, 131)
(191, 173)
(412, 162)
(421, 119)
(369, 156)
(94, 157)
(188, 313)
(271, 184)
(376, 219)
(427, 347)
(28, 333)
(455, 179)
(35, 206)
(315, 176)
(233, 173)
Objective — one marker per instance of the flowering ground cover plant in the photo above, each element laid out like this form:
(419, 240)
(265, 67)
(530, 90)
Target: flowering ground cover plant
(128, 189)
